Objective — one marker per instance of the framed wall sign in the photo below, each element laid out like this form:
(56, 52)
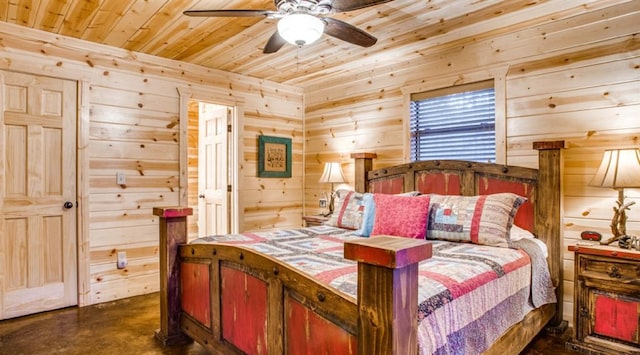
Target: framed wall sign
(274, 157)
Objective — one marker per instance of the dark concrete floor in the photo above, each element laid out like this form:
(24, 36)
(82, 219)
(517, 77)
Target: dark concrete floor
(126, 327)
(122, 327)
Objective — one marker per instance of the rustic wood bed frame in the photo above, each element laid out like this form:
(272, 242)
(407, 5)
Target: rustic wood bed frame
(271, 308)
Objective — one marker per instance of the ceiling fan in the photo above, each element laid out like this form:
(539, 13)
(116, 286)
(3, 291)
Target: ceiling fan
(302, 22)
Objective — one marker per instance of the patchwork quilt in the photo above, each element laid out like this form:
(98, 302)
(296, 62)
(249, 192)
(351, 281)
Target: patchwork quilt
(468, 294)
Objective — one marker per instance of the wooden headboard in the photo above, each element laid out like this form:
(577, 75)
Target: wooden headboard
(450, 177)
(541, 214)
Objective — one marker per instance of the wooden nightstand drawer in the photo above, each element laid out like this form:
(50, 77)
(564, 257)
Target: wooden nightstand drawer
(603, 268)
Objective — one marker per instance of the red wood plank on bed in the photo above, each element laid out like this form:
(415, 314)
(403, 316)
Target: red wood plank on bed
(525, 217)
(195, 298)
(244, 310)
(438, 183)
(308, 333)
(387, 186)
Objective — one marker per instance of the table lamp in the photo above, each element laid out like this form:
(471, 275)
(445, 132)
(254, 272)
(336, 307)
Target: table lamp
(332, 174)
(619, 169)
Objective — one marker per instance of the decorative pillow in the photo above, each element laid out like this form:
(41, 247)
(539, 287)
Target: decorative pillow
(484, 219)
(401, 216)
(518, 233)
(369, 213)
(368, 216)
(348, 210)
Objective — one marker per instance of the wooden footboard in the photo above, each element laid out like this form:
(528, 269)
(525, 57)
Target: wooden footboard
(233, 300)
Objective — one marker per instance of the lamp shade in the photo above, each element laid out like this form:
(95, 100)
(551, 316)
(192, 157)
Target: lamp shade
(300, 29)
(619, 168)
(332, 173)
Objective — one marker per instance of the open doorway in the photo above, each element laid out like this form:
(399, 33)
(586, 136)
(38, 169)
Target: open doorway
(210, 167)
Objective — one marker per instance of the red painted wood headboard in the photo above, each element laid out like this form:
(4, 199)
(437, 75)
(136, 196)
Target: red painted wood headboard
(449, 177)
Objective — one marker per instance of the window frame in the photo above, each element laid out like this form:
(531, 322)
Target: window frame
(460, 127)
(498, 75)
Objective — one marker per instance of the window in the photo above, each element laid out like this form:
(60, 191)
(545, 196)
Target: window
(454, 123)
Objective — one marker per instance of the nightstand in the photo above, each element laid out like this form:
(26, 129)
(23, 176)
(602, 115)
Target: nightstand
(606, 300)
(315, 220)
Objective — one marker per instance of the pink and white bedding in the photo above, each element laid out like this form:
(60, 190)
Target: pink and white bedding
(469, 294)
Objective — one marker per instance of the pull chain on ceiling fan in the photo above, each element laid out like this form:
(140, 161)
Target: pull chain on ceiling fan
(302, 22)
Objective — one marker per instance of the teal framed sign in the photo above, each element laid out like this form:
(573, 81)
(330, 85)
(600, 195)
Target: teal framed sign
(274, 157)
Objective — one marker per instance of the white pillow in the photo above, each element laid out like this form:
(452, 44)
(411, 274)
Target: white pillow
(518, 233)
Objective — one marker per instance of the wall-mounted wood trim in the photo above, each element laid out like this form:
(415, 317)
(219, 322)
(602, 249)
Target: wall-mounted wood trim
(184, 95)
(236, 104)
(84, 240)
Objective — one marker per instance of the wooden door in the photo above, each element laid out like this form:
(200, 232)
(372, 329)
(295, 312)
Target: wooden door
(213, 201)
(38, 268)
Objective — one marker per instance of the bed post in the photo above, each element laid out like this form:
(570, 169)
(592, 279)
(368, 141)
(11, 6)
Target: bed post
(387, 293)
(363, 165)
(549, 213)
(173, 232)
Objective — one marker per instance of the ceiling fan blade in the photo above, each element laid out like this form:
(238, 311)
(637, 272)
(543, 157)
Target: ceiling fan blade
(274, 44)
(230, 13)
(350, 5)
(346, 32)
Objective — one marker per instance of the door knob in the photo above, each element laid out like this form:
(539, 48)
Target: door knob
(201, 195)
(68, 205)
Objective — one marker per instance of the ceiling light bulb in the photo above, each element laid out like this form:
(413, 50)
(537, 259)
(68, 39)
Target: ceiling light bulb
(300, 29)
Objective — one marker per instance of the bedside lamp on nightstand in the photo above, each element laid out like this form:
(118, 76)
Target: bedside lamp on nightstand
(619, 168)
(332, 174)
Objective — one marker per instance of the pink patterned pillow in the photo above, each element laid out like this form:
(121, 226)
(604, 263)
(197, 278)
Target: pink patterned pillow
(401, 216)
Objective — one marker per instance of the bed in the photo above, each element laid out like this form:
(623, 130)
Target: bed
(269, 293)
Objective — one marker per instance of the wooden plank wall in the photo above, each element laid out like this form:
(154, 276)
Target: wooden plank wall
(572, 74)
(129, 123)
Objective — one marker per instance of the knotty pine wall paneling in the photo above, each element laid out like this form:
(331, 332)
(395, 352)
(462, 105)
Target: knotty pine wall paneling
(129, 116)
(192, 168)
(573, 74)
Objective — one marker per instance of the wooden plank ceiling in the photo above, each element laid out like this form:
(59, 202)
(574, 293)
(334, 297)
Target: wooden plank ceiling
(405, 29)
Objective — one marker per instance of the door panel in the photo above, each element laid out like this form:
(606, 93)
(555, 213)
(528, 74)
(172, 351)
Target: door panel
(38, 165)
(213, 205)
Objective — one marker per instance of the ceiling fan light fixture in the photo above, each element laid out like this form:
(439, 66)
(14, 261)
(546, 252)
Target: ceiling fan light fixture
(300, 29)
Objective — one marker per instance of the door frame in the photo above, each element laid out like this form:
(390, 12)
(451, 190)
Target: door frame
(83, 122)
(234, 148)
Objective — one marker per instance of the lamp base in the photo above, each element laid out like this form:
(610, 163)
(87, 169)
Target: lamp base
(619, 220)
(610, 240)
(327, 208)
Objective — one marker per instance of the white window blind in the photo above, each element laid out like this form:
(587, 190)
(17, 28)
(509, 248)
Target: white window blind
(454, 123)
